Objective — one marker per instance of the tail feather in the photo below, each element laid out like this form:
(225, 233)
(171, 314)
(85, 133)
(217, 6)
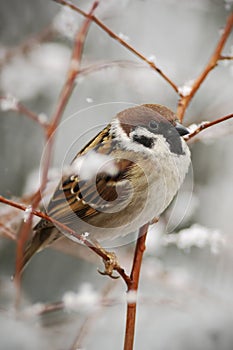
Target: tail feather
(41, 239)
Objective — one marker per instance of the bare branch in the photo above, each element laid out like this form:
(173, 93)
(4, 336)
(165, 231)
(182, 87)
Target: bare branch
(225, 57)
(63, 227)
(133, 286)
(213, 61)
(16, 106)
(6, 231)
(51, 128)
(120, 40)
(206, 125)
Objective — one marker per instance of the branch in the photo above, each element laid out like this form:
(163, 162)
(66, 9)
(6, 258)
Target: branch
(63, 227)
(133, 287)
(120, 40)
(206, 125)
(51, 128)
(185, 100)
(10, 103)
(225, 57)
(96, 67)
(6, 231)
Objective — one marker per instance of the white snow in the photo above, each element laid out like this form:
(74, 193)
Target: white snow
(131, 297)
(42, 71)
(66, 22)
(228, 4)
(197, 236)
(27, 213)
(88, 166)
(123, 36)
(8, 103)
(184, 90)
(85, 299)
(89, 100)
(43, 118)
(152, 58)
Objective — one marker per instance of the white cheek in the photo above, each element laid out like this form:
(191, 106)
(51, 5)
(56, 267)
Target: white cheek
(126, 142)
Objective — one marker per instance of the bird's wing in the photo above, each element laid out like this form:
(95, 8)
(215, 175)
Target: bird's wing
(86, 198)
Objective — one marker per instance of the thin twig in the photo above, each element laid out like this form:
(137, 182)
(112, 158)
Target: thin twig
(120, 40)
(21, 108)
(213, 61)
(63, 227)
(133, 286)
(227, 57)
(6, 231)
(96, 67)
(16, 106)
(206, 125)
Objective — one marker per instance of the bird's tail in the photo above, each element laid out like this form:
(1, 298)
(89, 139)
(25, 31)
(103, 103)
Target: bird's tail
(40, 240)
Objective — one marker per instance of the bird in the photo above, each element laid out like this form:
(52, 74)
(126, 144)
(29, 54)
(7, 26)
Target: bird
(125, 177)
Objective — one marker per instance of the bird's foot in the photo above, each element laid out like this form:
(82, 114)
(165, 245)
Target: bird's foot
(110, 264)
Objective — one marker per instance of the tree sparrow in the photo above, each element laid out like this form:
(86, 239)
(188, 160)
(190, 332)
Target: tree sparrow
(124, 177)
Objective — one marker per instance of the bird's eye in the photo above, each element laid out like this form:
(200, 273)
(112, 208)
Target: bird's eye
(153, 125)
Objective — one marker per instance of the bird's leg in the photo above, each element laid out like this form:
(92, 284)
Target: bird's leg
(110, 263)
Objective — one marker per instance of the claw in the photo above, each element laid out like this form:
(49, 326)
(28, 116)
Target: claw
(104, 273)
(110, 264)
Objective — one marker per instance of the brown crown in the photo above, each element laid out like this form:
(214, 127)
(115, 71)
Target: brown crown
(144, 114)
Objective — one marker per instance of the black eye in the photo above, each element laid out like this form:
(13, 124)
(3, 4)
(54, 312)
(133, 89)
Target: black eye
(153, 125)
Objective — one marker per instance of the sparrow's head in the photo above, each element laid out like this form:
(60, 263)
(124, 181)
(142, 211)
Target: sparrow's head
(145, 127)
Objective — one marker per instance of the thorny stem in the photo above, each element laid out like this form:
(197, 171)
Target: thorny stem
(120, 40)
(51, 128)
(213, 61)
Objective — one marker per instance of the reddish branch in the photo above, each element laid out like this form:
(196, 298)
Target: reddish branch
(133, 287)
(6, 231)
(206, 125)
(51, 128)
(63, 227)
(185, 100)
(22, 109)
(131, 281)
(120, 40)
(74, 69)
(225, 57)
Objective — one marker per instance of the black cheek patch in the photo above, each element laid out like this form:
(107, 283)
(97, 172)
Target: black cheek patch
(145, 141)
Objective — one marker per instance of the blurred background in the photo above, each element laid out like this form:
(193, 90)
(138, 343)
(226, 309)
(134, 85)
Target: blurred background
(185, 294)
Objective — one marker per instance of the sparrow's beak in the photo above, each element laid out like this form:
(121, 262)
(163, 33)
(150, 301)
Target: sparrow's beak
(182, 130)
